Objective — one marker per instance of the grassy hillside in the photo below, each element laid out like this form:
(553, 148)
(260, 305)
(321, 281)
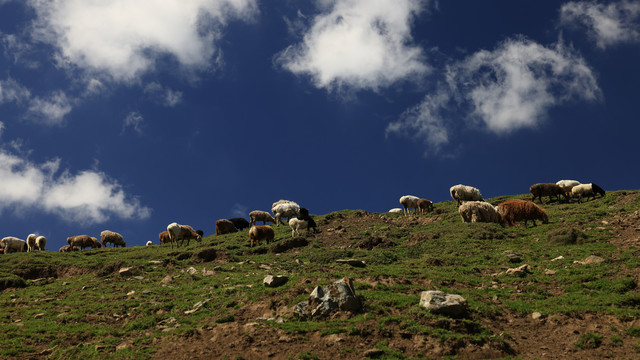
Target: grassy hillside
(77, 305)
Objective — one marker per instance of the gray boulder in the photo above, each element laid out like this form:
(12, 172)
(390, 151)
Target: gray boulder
(326, 300)
(439, 302)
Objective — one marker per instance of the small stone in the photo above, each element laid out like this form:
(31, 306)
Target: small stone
(558, 258)
(156, 262)
(122, 346)
(125, 271)
(536, 315)
(131, 292)
(439, 302)
(167, 279)
(592, 260)
(550, 272)
(373, 353)
(520, 270)
(274, 281)
(191, 270)
(139, 277)
(38, 316)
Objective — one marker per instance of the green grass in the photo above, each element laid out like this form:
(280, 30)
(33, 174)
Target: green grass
(82, 299)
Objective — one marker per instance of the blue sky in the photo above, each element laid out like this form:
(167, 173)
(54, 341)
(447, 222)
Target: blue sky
(130, 115)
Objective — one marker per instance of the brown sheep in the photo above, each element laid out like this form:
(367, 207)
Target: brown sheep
(83, 241)
(547, 189)
(224, 226)
(259, 215)
(516, 210)
(259, 233)
(424, 206)
(164, 237)
(181, 233)
(68, 248)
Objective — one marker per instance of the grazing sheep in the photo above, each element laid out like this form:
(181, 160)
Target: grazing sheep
(181, 233)
(68, 248)
(461, 193)
(281, 202)
(95, 243)
(259, 233)
(547, 189)
(287, 210)
(409, 202)
(224, 226)
(258, 215)
(296, 225)
(568, 184)
(12, 244)
(149, 243)
(424, 206)
(164, 237)
(116, 239)
(516, 210)
(240, 223)
(479, 211)
(41, 242)
(311, 224)
(588, 190)
(395, 210)
(81, 241)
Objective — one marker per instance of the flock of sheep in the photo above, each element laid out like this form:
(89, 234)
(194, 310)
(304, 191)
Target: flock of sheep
(471, 206)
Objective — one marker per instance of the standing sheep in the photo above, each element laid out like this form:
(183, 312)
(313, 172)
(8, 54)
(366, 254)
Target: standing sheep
(547, 189)
(12, 244)
(240, 223)
(480, 211)
(258, 215)
(516, 210)
(424, 206)
(164, 237)
(567, 185)
(461, 193)
(116, 239)
(588, 190)
(409, 202)
(31, 242)
(181, 233)
(296, 225)
(83, 241)
(259, 233)
(224, 226)
(41, 242)
(287, 210)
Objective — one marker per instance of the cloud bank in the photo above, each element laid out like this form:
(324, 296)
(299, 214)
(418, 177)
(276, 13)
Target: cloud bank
(124, 39)
(87, 197)
(358, 44)
(504, 90)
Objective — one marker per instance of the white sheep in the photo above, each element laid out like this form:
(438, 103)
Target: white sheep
(179, 232)
(31, 242)
(568, 184)
(395, 210)
(282, 202)
(149, 243)
(113, 237)
(297, 225)
(465, 193)
(41, 241)
(287, 210)
(13, 244)
(409, 202)
(479, 211)
(588, 190)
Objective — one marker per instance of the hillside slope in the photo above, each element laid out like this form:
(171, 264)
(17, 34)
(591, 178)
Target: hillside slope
(206, 300)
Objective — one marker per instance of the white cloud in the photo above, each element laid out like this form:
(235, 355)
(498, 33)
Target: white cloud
(607, 25)
(425, 121)
(358, 44)
(239, 210)
(133, 120)
(125, 38)
(12, 91)
(88, 197)
(162, 95)
(50, 110)
(504, 90)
